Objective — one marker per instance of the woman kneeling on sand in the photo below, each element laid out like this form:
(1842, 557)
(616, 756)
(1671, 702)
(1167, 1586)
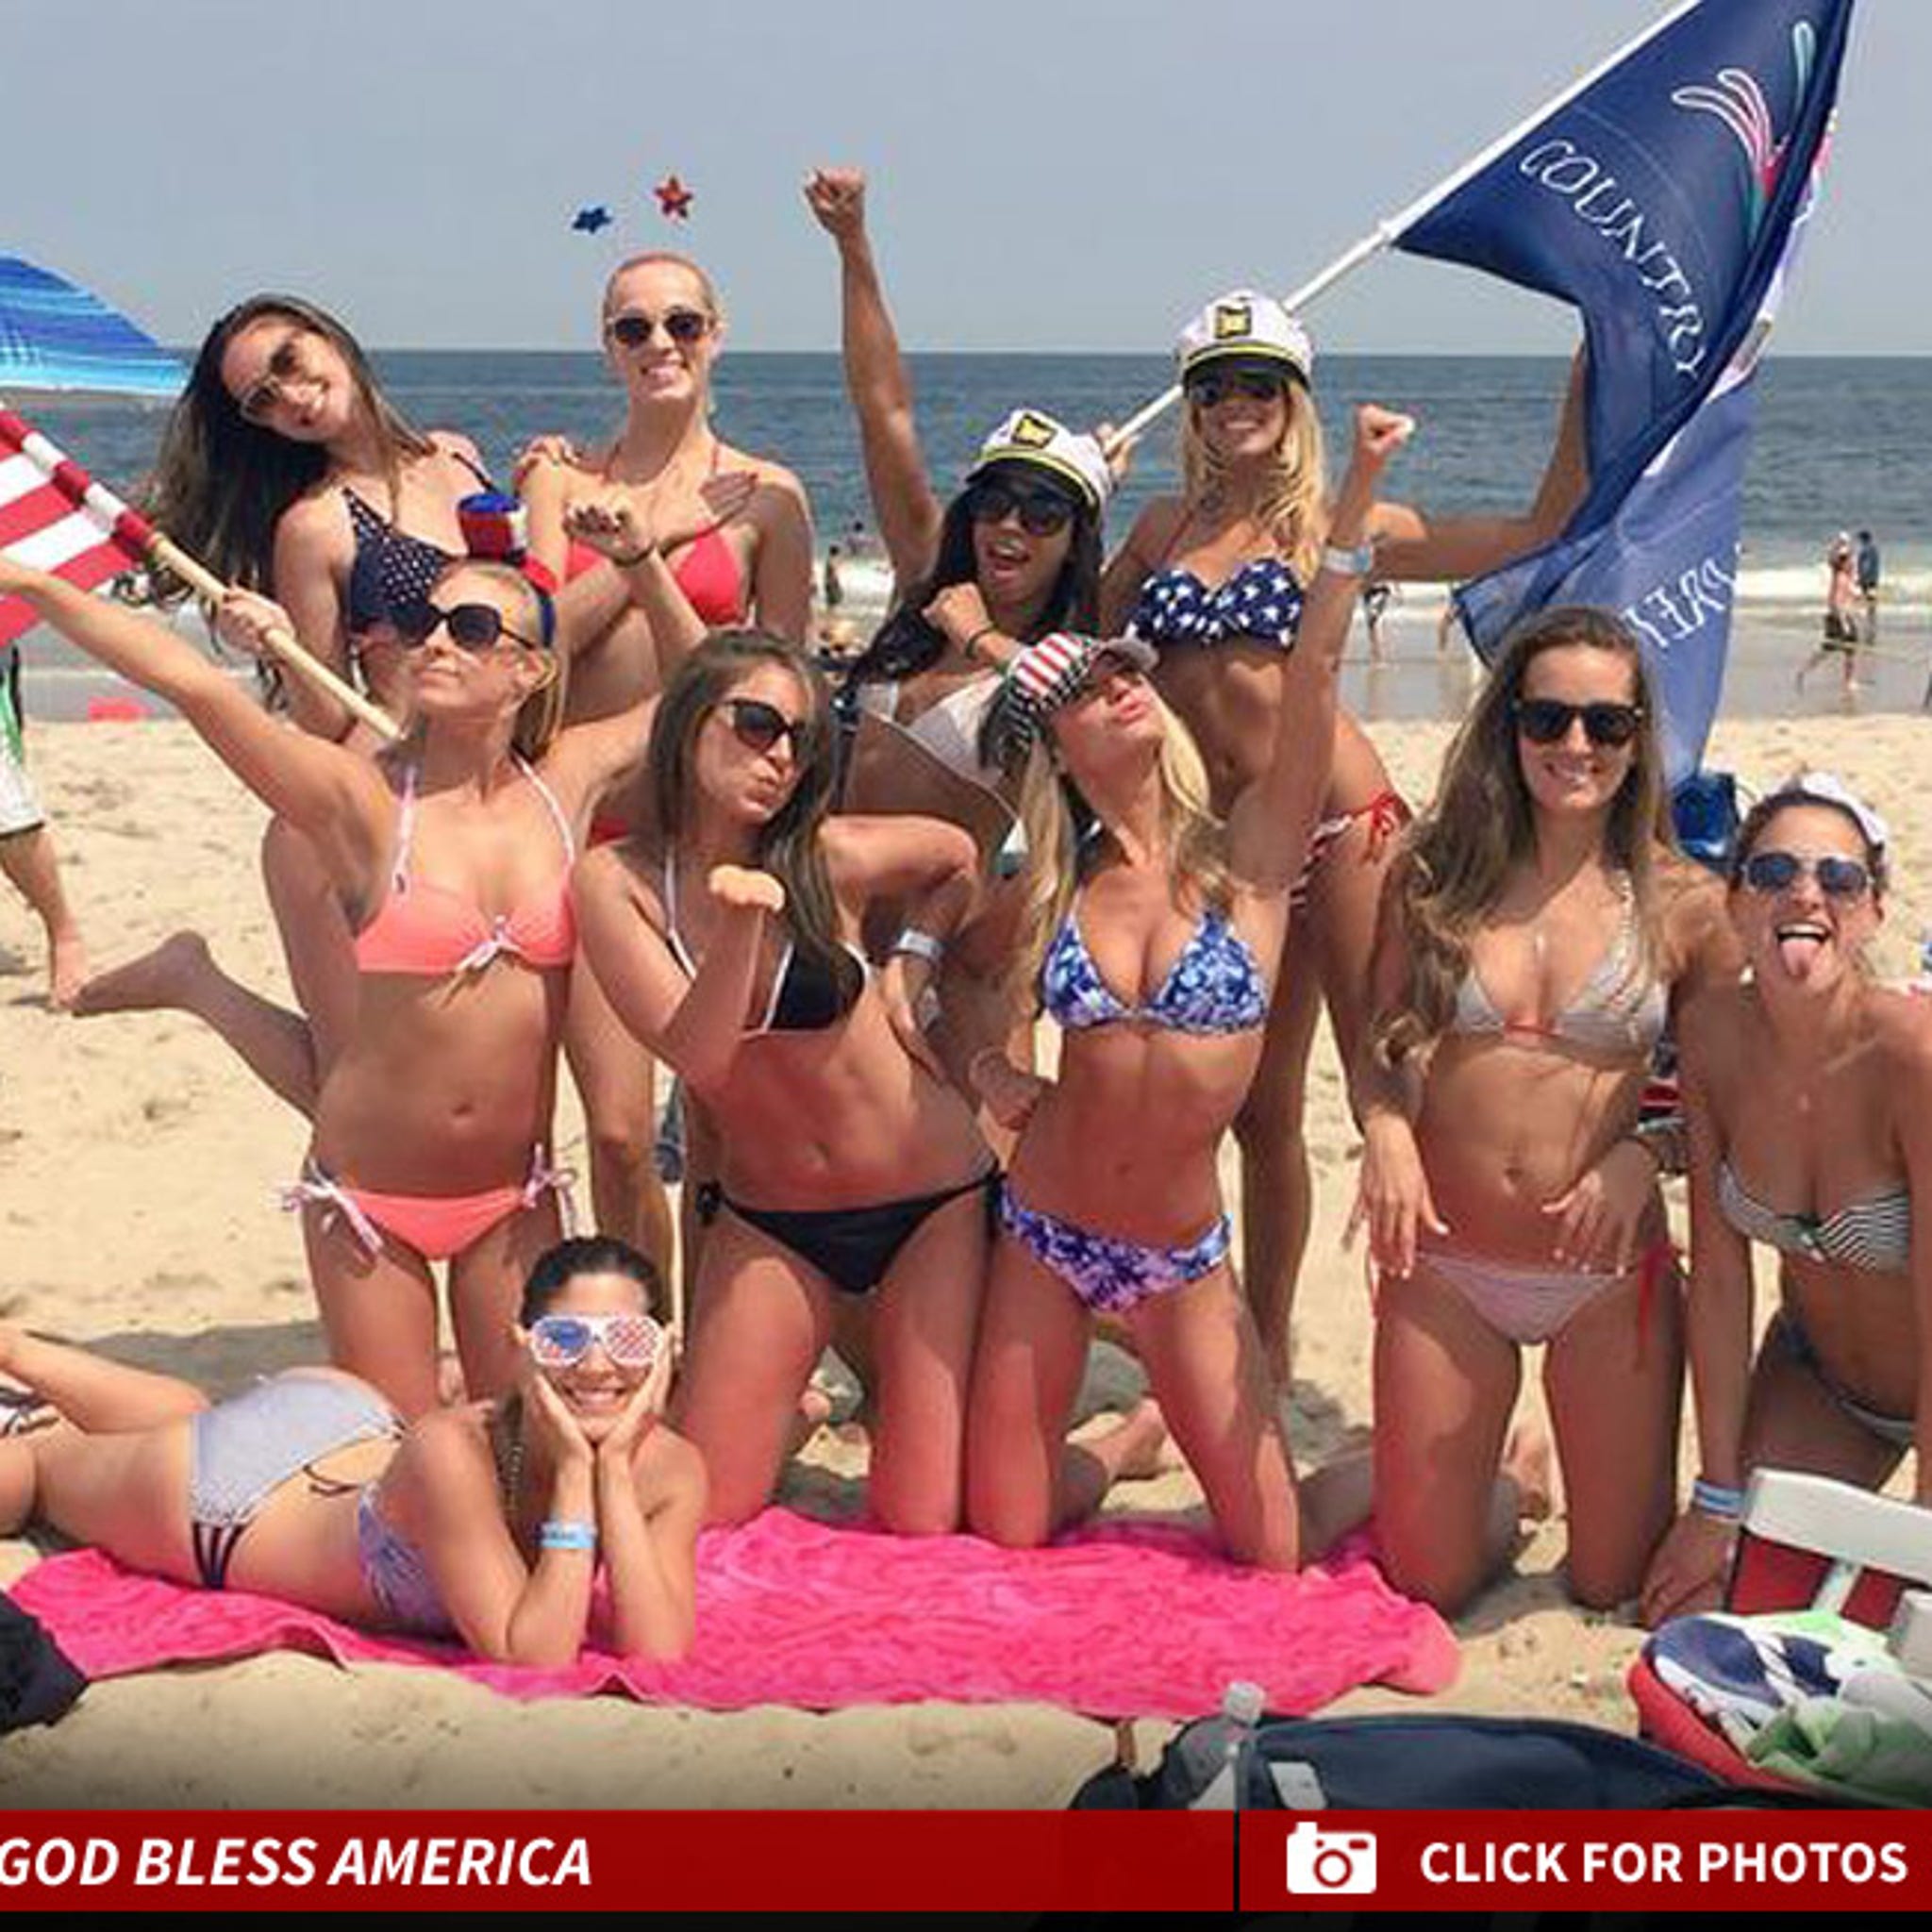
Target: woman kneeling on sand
(1807, 1083)
(450, 857)
(1533, 937)
(727, 942)
(1114, 1206)
(485, 1523)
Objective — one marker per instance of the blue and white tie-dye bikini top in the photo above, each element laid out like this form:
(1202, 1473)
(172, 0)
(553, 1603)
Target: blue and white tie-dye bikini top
(1215, 985)
(1263, 599)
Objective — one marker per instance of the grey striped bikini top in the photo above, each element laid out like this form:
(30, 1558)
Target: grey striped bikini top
(1875, 1233)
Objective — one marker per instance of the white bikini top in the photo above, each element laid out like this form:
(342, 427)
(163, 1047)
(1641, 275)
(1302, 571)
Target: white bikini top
(949, 729)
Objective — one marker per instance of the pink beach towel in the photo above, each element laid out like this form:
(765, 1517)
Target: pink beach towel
(1114, 1622)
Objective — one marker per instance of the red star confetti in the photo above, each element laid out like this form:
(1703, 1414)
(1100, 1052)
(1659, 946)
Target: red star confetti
(674, 199)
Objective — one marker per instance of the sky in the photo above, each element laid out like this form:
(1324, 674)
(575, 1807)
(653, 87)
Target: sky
(1045, 173)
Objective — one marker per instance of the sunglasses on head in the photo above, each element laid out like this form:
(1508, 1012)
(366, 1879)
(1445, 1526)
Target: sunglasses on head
(1042, 512)
(561, 1342)
(1776, 872)
(1213, 387)
(474, 627)
(684, 326)
(759, 726)
(1547, 721)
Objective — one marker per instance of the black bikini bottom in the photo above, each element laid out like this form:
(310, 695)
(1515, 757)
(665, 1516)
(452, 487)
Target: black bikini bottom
(852, 1247)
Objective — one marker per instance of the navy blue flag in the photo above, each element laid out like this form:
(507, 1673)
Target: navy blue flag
(1663, 198)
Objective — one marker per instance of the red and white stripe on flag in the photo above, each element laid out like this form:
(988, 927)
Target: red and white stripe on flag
(55, 516)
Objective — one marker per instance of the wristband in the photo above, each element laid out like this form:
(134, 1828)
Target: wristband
(922, 946)
(971, 647)
(559, 1533)
(1718, 1499)
(1356, 562)
(635, 557)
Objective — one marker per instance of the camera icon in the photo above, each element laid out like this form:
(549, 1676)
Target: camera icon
(1321, 1861)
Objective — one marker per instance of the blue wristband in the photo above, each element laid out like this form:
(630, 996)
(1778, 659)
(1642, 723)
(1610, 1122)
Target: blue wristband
(559, 1533)
(1716, 1499)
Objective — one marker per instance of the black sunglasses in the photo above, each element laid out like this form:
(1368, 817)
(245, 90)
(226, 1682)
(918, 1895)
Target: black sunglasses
(759, 726)
(1042, 512)
(683, 326)
(1777, 872)
(475, 627)
(1547, 721)
(1214, 385)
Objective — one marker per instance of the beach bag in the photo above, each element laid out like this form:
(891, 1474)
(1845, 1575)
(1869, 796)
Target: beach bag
(36, 1681)
(1407, 1763)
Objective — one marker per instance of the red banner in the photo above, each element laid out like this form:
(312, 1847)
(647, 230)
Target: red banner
(1007, 1861)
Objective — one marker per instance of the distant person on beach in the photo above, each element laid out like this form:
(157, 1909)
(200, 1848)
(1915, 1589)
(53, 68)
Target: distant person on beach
(857, 539)
(1376, 597)
(486, 1524)
(834, 592)
(1449, 627)
(1154, 930)
(1535, 936)
(1808, 1094)
(448, 856)
(26, 847)
(1867, 565)
(718, 536)
(1840, 637)
(849, 1170)
(1216, 577)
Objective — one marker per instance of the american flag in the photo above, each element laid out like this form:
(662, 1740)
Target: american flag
(55, 516)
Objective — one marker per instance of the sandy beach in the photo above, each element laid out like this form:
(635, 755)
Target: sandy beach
(139, 1164)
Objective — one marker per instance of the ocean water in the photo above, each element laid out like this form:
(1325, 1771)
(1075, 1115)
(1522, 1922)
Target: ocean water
(1841, 443)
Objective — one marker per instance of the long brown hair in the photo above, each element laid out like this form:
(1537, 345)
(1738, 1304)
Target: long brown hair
(787, 844)
(221, 484)
(1456, 857)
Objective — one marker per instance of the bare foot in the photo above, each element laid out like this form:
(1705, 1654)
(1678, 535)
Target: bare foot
(158, 981)
(66, 968)
(813, 1412)
(1527, 1461)
(1137, 1448)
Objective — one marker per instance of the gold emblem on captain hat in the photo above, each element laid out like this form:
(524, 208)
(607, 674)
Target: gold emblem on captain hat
(1233, 319)
(1031, 431)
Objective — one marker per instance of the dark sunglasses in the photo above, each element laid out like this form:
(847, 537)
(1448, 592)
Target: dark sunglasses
(1547, 721)
(1252, 385)
(1042, 512)
(759, 726)
(474, 627)
(561, 1342)
(683, 326)
(1777, 872)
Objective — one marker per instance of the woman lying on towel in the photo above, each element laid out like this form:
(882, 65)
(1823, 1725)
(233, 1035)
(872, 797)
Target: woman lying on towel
(485, 1523)
(1534, 937)
(1809, 1096)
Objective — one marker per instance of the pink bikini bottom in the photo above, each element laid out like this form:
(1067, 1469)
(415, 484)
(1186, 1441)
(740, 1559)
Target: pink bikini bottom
(436, 1227)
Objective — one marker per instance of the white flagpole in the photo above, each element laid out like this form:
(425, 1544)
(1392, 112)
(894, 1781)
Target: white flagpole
(1391, 227)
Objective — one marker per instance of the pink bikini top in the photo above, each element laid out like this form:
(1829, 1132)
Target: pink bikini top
(430, 930)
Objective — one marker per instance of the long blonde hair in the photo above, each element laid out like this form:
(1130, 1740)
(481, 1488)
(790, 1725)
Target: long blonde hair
(1293, 506)
(1456, 860)
(1062, 835)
